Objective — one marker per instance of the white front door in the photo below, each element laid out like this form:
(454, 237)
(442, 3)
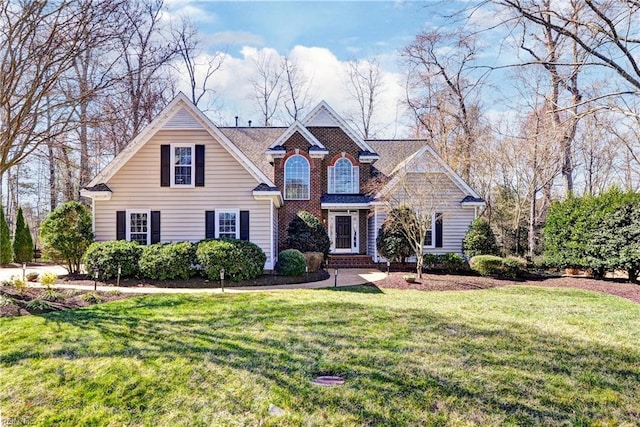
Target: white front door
(343, 231)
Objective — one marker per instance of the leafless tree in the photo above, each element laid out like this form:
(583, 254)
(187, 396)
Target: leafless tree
(200, 67)
(442, 91)
(296, 88)
(39, 43)
(267, 85)
(364, 84)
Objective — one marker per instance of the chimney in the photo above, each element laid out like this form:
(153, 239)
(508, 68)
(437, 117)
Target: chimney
(249, 123)
(236, 121)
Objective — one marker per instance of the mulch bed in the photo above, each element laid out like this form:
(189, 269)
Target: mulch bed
(444, 282)
(69, 299)
(199, 282)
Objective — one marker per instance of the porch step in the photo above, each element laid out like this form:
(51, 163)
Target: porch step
(350, 261)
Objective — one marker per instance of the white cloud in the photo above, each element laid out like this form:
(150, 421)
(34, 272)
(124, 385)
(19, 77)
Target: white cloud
(326, 74)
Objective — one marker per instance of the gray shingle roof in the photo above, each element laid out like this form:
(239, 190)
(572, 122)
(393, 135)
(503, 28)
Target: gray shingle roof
(345, 198)
(392, 152)
(470, 199)
(98, 187)
(253, 142)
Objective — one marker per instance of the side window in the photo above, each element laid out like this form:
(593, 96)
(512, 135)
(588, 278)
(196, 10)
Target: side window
(182, 165)
(228, 224)
(138, 227)
(296, 178)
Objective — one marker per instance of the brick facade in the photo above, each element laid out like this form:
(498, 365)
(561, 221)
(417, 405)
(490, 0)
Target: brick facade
(336, 141)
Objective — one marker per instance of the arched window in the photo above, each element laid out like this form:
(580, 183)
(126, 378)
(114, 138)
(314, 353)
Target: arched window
(344, 177)
(296, 178)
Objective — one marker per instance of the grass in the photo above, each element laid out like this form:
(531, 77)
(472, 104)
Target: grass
(505, 356)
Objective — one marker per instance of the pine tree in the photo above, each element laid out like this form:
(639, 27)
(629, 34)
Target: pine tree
(22, 241)
(6, 253)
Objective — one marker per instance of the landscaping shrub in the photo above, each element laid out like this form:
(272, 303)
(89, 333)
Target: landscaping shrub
(392, 241)
(241, 260)
(449, 262)
(48, 279)
(291, 262)
(51, 295)
(314, 261)
(92, 298)
(22, 241)
(107, 256)
(39, 305)
(480, 239)
(66, 234)
(6, 252)
(494, 266)
(307, 234)
(167, 261)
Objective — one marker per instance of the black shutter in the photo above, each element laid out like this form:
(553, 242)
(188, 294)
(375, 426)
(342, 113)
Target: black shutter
(210, 224)
(121, 225)
(155, 227)
(165, 165)
(199, 166)
(244, 225)
(438, 230)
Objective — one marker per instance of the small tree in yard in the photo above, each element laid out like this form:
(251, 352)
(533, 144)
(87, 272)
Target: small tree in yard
(392, 242)
(307, 234)
(480, 239)
(6, 253)
(66, 234)
(22, 241)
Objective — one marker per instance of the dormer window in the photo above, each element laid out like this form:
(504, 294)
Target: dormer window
(182, 165)
(296, 178)
(343, 177)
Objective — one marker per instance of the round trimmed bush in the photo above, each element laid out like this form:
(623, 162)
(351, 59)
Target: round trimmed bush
(480, 239)
(307, 234)
(167, 261)
(241, 260)
(495, 266)
(291, 262)
(107, 256)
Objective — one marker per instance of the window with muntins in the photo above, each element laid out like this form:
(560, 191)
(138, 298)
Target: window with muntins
(138, 227)
(228, 227)
(343, 177)
(182, 161)
(296, 178)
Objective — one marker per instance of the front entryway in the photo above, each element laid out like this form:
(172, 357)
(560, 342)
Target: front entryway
(343, 231)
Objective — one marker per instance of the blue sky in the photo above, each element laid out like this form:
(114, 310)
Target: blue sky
(348, 28)
(321, 36)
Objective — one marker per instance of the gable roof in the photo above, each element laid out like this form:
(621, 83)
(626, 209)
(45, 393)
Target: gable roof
(393, 151)
(297, 127)
(175, 110)
(324, 115)
(403, 168)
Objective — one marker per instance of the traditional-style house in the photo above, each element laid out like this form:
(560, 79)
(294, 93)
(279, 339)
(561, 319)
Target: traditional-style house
(183, 178)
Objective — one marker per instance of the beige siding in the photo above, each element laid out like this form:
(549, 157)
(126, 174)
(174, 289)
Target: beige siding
(228, 185)
(446, 200)
(182, 119)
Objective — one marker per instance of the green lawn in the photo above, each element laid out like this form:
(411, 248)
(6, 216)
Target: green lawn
(504, 356)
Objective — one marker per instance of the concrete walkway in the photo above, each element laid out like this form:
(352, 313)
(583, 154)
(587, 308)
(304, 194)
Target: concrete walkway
(346, 277)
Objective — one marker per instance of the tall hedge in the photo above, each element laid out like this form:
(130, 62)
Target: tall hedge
(66, 234)
(307, 234)
(22, 241)
(6, 252)
(600, 233)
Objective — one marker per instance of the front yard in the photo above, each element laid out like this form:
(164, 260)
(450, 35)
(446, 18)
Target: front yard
(509, 355)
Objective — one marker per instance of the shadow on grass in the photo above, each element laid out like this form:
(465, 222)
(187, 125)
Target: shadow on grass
(367, 288)
(402, 365)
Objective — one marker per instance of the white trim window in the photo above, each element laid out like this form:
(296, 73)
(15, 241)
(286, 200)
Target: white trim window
(296, 178)
(343, 177)
(183, 160)
(227, 224)
(139, 226)
(430, 236)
